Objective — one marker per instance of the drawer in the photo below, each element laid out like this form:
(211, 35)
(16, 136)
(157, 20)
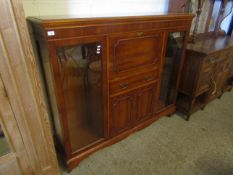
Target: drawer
(133, 81)
(136, 50)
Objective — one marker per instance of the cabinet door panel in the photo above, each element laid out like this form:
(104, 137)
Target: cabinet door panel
(134, 50)
(204, 83)
(146, 102)
(78, 74)
(172, 62)
(221, 71)
(121, 111)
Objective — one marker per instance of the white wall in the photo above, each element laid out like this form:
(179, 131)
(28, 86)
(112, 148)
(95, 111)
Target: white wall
(93, 7)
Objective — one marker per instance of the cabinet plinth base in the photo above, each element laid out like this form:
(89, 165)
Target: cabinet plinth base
(74, 161)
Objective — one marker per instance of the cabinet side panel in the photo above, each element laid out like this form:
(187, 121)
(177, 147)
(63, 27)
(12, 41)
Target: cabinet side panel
(51, 101)
(190, 70)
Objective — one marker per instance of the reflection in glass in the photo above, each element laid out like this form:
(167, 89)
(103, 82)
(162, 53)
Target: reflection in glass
(192, 9)
(81, 76)
(4, 147)
(204, 16)
(171, 68)
(216, 10)
(227, 17)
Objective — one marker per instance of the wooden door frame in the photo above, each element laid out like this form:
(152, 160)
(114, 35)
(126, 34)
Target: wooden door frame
(20, 77)
(15, 161)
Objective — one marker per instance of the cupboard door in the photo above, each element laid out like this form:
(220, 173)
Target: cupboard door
(172, 62)
(221, 71)
(204, 82)
(131, 51)
(79, 90)
(81, 75)
(218, 78)
(146, 102)
(132, 108)
(121, 112)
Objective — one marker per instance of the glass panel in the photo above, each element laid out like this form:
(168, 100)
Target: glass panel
(171, 67)
(215, 13)
(81, 71)
(4, 147)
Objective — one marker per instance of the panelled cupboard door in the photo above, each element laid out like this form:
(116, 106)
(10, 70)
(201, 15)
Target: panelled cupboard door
(146, 103)
(131, 108)
(131, 51)
(121, 111)
(226, 70)
(216, 78)
(219, 76)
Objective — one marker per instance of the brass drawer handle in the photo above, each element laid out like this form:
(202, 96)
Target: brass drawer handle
(124, 85)
(139, 33)
(148, 78)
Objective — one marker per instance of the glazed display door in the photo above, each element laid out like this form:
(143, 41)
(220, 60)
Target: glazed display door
(78, 72)
(171, 66)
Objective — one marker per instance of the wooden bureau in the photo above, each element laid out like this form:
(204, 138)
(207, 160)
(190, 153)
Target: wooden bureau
(109, 77)
(207, 73)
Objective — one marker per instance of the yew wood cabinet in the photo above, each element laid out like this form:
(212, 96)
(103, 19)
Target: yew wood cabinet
(108, 77)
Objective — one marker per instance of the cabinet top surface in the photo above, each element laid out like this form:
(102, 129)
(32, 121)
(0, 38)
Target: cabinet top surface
(61, 20)
(211, 44)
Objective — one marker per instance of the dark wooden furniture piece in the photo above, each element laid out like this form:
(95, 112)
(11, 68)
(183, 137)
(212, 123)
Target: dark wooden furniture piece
(207, 73)
(109, 77)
